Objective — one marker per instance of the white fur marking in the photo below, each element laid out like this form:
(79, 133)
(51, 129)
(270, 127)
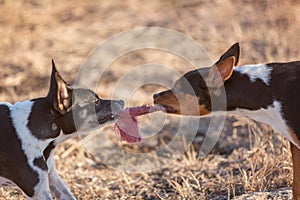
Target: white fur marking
(258, 71)
(57, 185)
(32, 147)
(5, 104)
(63, 137)
(271, 116)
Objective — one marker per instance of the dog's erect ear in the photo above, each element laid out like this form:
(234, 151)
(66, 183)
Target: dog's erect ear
(59, 92)
(220, 73)
(234, 51)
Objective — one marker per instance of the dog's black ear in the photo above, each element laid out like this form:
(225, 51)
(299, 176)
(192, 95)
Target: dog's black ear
(53, 84)
(220, 73)
(59, 93)
(234, 51)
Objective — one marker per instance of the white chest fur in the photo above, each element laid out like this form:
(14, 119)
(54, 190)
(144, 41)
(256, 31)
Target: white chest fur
(272, 116)
(31, 146)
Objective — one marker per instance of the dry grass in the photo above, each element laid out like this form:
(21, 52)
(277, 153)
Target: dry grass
(248, 157)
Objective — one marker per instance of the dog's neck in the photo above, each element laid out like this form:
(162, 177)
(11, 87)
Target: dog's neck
(249, 89)
(33, 120)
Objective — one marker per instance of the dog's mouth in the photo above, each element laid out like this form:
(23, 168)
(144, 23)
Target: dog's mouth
(108, 111)
(106, 118)
(168, 108)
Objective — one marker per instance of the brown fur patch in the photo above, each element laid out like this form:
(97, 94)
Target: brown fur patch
(168, 99)
(182, 103)
(296, 172)
(203, 110)
(294, 136)
(188, 104)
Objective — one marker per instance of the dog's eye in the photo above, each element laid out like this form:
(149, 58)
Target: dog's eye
(54, 127)
(83, 113)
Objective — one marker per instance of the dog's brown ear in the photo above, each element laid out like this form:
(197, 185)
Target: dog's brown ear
(234, 51)
(220, 72)
(59, 92)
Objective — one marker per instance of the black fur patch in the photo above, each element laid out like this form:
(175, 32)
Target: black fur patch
(48, 150)
(41, 119)
(285, 87)
(12, 157)
(40, 163)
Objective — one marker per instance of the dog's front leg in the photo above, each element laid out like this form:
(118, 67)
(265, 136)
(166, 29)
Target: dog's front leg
(41, 190)
(296, 172)
(57, 185)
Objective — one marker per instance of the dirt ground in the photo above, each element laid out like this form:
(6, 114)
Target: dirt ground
(248, 162)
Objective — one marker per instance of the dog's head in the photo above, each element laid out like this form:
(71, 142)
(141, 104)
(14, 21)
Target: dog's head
(191, 94)
(78, 108)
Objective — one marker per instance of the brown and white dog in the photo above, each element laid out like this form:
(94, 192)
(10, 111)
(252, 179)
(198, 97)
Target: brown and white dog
(267, 93)
(31, 130)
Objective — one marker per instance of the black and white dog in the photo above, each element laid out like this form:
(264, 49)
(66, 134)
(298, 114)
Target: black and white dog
(31, 130)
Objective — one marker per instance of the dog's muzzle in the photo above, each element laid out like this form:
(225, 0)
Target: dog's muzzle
(108, 109)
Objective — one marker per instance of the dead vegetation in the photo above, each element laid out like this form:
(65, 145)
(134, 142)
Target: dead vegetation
(248, 157)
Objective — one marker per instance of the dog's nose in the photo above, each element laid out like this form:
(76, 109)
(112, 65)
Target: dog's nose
(155, 95)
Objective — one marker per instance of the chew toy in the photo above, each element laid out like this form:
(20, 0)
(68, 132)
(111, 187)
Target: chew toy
(127, 124)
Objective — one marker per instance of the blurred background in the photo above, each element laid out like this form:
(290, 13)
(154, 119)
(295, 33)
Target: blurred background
(249, 161)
